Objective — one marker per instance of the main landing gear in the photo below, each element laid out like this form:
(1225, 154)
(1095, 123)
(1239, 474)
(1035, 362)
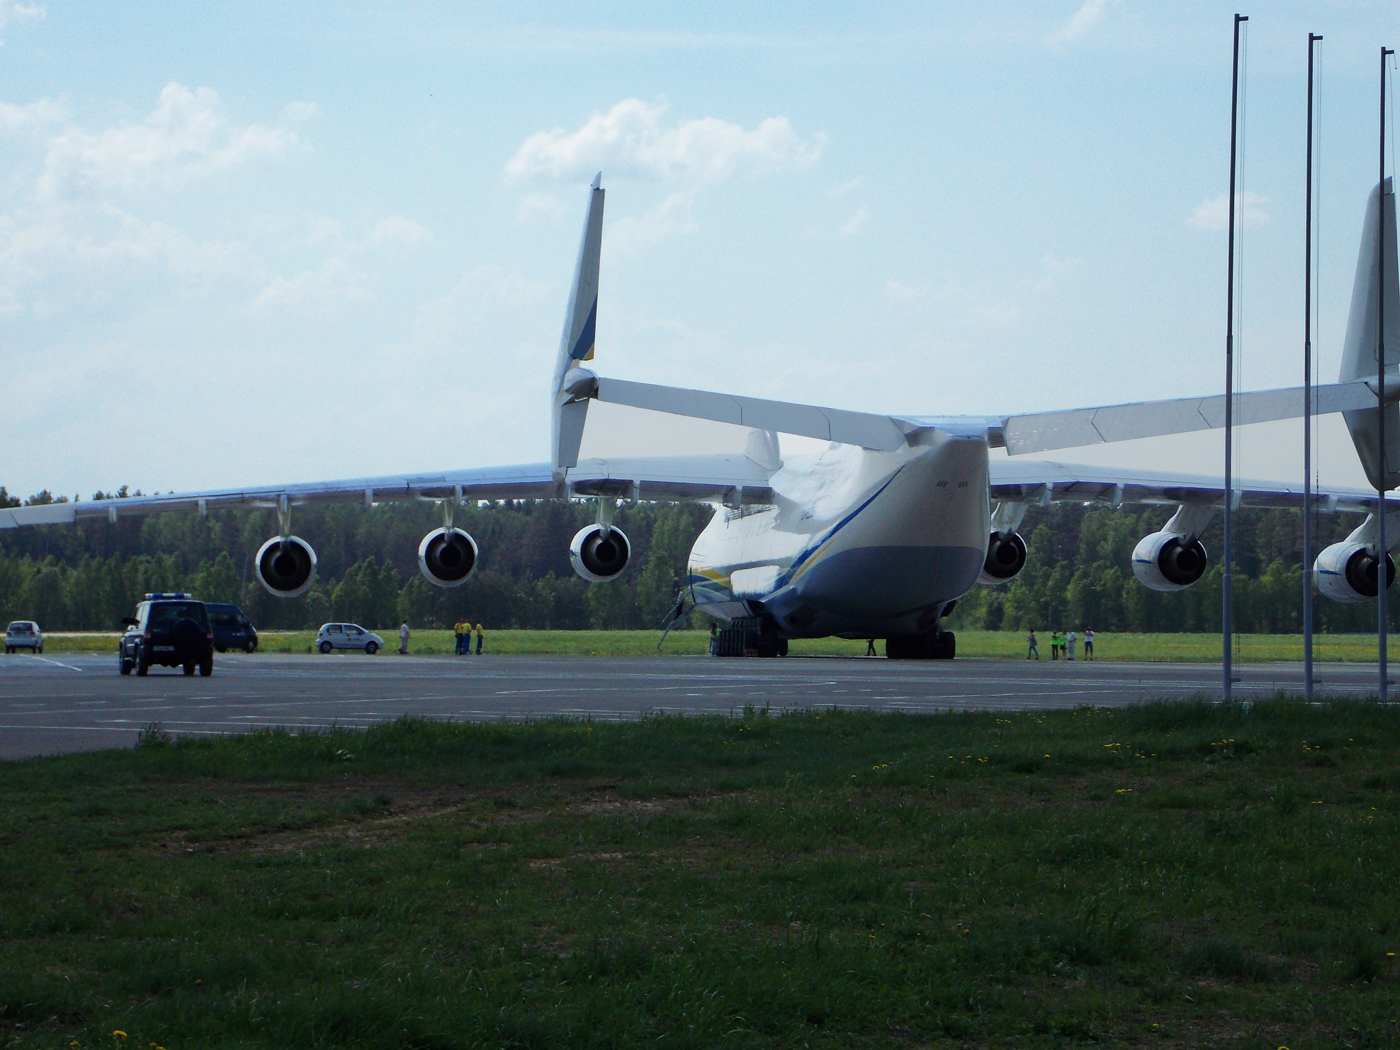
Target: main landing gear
(931, 645)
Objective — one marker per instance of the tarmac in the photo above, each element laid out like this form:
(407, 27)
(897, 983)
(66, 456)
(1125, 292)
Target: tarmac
(60, 703)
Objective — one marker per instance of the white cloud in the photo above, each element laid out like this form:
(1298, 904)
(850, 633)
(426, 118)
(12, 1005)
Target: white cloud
(185, 137)
(1084, 19)
(1054, 272)
(299, 112)
(540, 206)
(899, 292)
(852, 226)
(843, 188)
(33, 115)
(321, 290)
(476, 301)
(630, 140)
(67, 259)
(1213, 213)
(395, 229)
(632, 233)
(12, 11)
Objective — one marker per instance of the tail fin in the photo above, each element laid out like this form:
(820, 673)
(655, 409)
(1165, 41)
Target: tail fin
(576, 343)
(1360, 352)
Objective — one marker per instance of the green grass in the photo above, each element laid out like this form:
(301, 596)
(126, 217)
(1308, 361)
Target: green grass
(1174, 875)
(1174, 648)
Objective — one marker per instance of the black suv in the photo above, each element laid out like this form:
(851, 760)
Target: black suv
(231, 628)
(168, 629)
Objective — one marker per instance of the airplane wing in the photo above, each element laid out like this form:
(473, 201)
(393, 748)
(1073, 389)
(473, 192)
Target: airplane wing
(1043, 482)
(726, 478)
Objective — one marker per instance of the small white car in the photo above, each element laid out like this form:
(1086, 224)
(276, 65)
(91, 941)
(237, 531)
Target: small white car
(24, 634)
(347, 636)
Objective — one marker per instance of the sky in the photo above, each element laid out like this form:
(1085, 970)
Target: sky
(257, 242)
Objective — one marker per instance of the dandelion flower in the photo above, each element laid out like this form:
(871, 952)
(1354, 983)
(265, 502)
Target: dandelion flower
(119, 1033)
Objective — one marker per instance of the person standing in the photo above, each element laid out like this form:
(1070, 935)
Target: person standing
(1054, 645)
(478, 639)
(1088, 643)
(1032, 651)
(457, 629)
(403, 638)
(1070, 639)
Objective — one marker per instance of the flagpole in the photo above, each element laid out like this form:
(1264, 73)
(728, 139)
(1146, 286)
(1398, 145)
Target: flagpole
(1227, 602)
(1307, 403)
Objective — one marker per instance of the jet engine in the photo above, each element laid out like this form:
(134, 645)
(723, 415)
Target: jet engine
(1006, 557)
(1166, 561)
(446, 557)
(285, 567)
(1346, 572)
(598, 556)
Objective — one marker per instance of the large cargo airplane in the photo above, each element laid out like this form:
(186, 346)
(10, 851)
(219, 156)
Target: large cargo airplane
(901, 515)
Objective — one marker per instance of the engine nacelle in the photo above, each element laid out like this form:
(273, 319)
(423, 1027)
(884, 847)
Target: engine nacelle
(285, 568)
(598, 558)
(1164, 561)
(1346, 572)
(1006, 557)
(446, 557)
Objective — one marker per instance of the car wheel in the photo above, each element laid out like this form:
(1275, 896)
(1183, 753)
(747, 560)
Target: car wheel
(325, 647)
(188, 669)
(252, 645)
(371, 649)
(40, 649)
(206, 666)
(141, 665)
(123, 664)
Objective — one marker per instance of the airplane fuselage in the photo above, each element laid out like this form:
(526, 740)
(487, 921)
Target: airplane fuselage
(856, 543)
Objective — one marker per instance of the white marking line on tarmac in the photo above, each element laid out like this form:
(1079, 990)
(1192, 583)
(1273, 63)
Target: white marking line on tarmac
(58, 663)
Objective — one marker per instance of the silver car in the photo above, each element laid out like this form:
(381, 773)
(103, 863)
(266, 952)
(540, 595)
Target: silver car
(347, 636)
(24, 634)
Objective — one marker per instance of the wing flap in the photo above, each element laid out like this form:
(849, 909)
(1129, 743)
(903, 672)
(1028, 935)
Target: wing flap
(1043, 481)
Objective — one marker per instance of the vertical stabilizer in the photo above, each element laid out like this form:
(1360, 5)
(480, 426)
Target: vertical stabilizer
(576, 343)
(1360, 357)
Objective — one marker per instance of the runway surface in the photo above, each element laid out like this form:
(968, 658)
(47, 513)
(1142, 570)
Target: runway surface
(51, 704)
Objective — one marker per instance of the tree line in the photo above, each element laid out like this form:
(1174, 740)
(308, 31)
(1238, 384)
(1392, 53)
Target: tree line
(89, 575)
(1079, 574)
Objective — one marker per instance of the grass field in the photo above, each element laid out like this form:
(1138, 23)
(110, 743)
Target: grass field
(1250, 648)
(1165, 875)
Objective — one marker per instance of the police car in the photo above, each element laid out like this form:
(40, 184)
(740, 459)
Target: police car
(171, 630)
